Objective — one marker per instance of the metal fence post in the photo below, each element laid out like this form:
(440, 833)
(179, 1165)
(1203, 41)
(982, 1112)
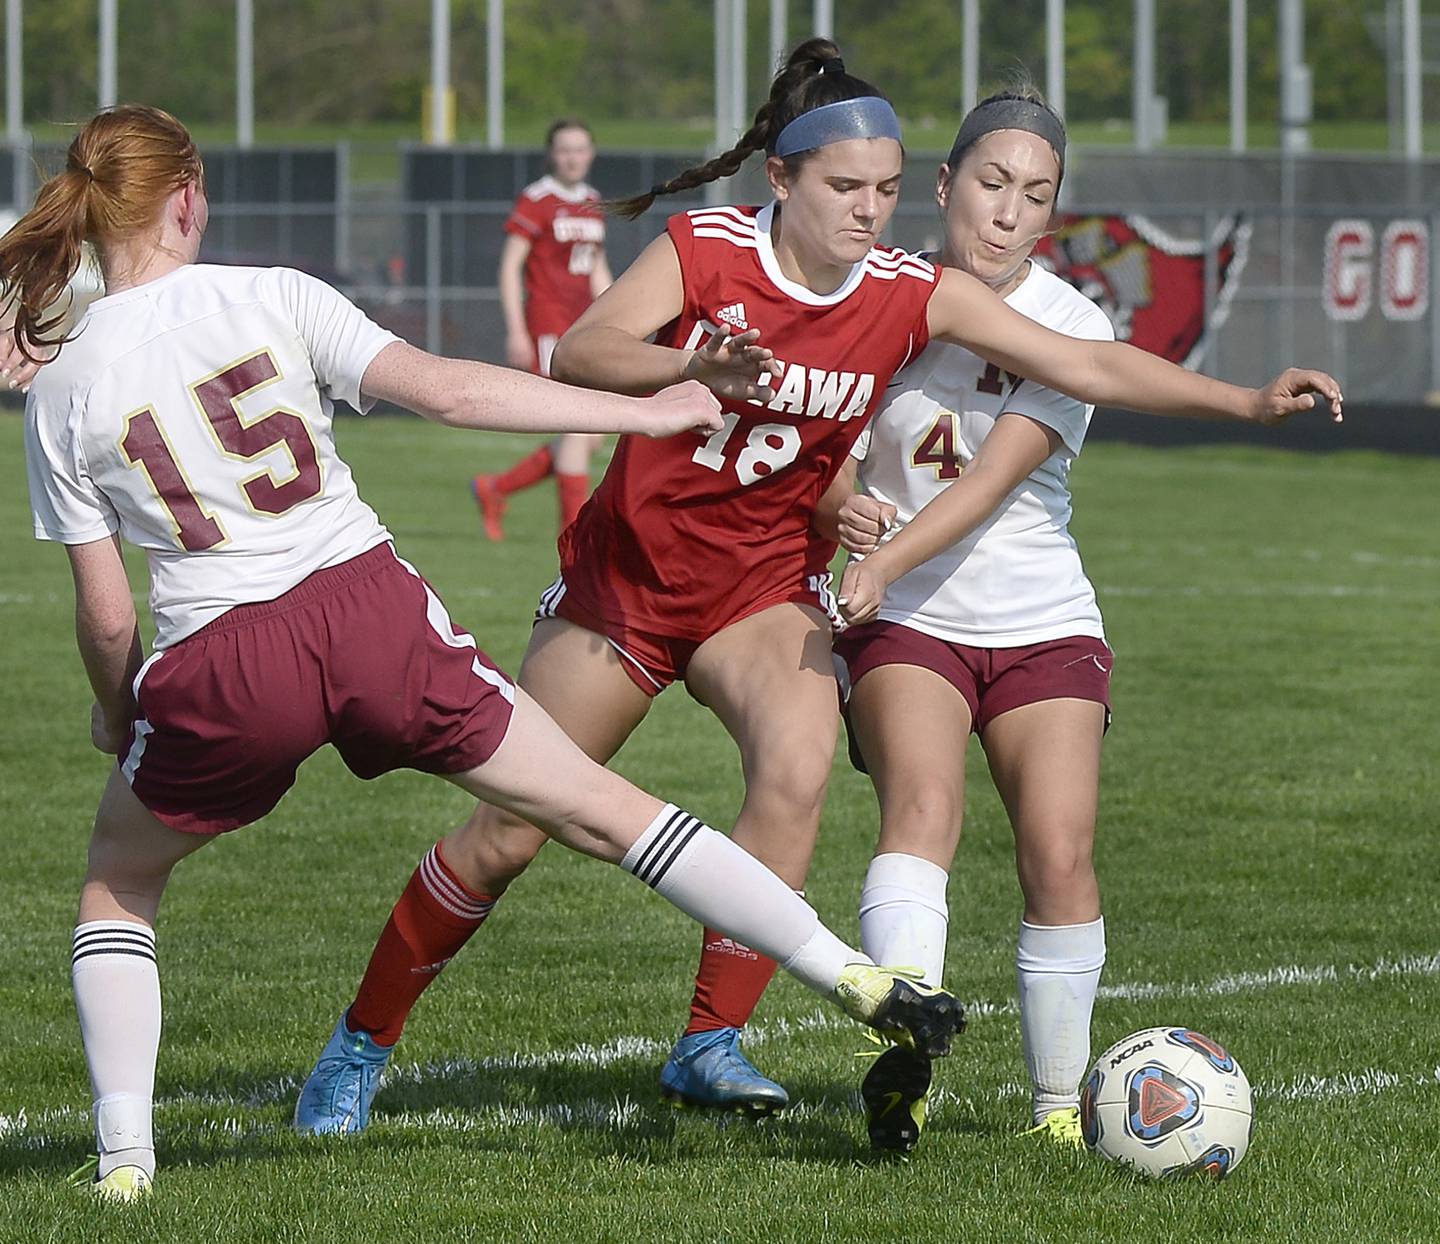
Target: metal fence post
(432, 280)
(342, 209)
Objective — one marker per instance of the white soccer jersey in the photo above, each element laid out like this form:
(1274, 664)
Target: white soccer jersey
(193, 414)
(1017, 578)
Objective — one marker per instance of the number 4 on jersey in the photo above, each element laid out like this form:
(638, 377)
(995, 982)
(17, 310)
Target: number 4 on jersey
(937, 448)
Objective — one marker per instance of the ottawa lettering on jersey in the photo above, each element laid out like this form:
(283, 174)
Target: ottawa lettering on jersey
(809, 391)
(579, 229)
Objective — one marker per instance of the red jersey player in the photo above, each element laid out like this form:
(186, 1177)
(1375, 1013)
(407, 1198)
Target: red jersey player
(553, 266)
(698, 563)
(284, 619)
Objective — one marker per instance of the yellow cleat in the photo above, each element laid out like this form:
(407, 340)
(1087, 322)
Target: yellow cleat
(123, 1185)
(895, 1001)
(895, 1092)
(1062, 1127)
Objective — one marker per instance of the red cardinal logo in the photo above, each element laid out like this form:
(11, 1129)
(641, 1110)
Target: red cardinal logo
(1152, 286)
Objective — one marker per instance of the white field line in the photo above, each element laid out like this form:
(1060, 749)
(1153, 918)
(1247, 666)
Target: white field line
(1292, 591)
(34, 1130)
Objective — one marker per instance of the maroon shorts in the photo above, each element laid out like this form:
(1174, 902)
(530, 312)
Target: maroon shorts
(361, 655)
(990, 680)
(654, 661)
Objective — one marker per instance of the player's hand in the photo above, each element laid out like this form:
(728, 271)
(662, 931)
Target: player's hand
(685, 407)
(732, 366)
(1293, 391)
(16, 371)
(863, 520)
(862, 592)
(519, 350)
(108, 737)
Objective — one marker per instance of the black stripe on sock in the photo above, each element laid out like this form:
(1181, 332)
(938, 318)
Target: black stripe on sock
(657, 843)
(128, 939)
(680, 845)
(113, 950)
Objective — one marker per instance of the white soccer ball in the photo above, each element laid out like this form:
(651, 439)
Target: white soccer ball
(1168, 1101)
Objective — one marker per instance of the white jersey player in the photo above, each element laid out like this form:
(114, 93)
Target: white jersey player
(190, 413)
(1016, 579)
(969, 610)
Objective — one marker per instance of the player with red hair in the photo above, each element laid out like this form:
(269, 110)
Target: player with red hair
(192, 412)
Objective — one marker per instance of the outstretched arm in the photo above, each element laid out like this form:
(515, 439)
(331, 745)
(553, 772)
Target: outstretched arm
(108, 637)
(464, 394)
(1110, 373)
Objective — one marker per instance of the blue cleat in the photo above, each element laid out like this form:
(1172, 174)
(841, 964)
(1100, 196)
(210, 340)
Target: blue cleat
(337, 1095)
(707, 1070)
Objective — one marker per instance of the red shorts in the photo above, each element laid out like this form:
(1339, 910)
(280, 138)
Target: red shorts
(361, 655)
(652, 660)
(992, 681)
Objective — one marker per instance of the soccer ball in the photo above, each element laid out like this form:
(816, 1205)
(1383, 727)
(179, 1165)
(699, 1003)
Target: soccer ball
(1168, 1101)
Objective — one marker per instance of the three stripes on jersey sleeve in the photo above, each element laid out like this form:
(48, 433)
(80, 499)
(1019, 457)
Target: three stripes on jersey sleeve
(730, 224)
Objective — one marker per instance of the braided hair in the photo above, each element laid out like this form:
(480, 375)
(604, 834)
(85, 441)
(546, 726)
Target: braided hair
(813, 76)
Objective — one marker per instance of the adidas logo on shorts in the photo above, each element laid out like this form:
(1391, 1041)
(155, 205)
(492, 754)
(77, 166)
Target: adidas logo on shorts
(734, 315)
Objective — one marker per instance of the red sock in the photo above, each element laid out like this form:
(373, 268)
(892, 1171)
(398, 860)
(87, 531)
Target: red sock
(574, 492)
(728, 985)
(529, 470)
(434, 918)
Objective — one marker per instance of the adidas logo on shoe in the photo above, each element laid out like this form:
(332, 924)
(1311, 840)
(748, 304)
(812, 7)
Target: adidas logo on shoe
(734, 315)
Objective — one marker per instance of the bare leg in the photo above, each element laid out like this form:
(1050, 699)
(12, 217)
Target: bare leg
(578, 678)
(116, 977)
(771, 682)
(1045, 758)
(572, 452)
(913, 728)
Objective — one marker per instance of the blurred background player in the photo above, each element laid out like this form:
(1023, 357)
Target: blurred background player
(552, 267)
(284, 618)
(698, 562)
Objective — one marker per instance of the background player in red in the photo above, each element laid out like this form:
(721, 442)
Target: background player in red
(192, 412)
(552, 268)
(698, 561)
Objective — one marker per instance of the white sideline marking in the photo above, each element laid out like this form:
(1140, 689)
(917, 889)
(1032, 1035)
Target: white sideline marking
(1296, 591)
(33, 1131)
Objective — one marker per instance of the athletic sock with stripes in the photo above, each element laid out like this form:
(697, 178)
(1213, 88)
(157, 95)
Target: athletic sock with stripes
(433, 919)
(717, 883)
(117, 995)
(1059, 973)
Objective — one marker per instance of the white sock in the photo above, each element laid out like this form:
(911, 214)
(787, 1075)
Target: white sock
(1059, 971)
(721, 885)
(903, 916)
(117, 993)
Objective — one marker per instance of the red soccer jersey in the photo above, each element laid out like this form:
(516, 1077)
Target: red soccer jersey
(686, 535)
(566, 232)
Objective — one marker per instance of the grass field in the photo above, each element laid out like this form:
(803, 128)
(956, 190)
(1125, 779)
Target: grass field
(1268, 853)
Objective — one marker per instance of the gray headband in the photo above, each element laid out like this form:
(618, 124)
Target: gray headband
(866, 117)
(1010, 114)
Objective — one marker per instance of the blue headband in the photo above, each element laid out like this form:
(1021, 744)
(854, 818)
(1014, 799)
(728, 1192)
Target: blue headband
(866, 117)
